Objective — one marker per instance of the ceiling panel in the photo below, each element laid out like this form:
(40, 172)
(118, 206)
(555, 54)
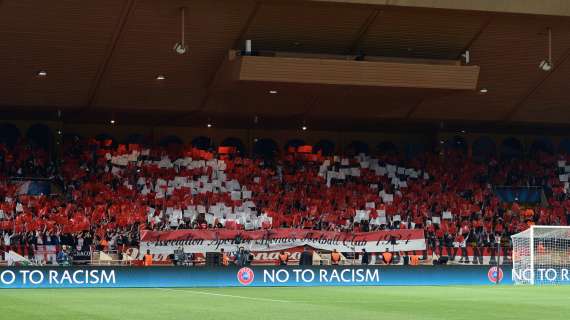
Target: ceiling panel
(156, 97)
(550, 102)
(254, 98)
(66, 38)
(73, 41)
(508, 51)
(146, 50)
(306, 27)
(372, 103)
(400, 32)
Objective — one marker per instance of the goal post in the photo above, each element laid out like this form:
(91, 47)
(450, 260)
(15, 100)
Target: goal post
(541, 255)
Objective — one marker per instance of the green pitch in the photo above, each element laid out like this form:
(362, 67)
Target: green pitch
(485, 303)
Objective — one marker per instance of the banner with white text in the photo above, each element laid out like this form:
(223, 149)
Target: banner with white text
(173, 277)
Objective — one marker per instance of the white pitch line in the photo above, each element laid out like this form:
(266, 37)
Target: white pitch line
(224, 295)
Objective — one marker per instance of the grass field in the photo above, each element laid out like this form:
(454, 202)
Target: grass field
(485, 303)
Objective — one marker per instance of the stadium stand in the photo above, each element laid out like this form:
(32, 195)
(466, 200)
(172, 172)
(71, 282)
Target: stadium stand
(102, 195)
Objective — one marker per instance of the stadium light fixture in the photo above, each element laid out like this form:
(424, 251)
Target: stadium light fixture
(546, 64)
(160, 77)
(42, 73)
(273, 91)
(466, 56)
(180, 47)
(304, 125)
(248, 48)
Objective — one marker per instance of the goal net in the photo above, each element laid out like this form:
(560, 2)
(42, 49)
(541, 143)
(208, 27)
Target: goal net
(541, 255)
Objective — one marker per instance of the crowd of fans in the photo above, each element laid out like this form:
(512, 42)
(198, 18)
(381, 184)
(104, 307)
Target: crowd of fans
(102, 196)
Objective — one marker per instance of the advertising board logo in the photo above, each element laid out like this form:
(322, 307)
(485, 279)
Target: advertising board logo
(495, 274)
(245, 276)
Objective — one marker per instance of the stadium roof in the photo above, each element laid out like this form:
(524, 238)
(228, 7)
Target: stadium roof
(102, 59)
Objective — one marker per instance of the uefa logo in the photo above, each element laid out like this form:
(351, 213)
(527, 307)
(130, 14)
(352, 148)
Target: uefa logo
(245, 276)
(495, 274)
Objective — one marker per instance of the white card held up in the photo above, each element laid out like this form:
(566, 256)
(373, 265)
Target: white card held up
(388, 198)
